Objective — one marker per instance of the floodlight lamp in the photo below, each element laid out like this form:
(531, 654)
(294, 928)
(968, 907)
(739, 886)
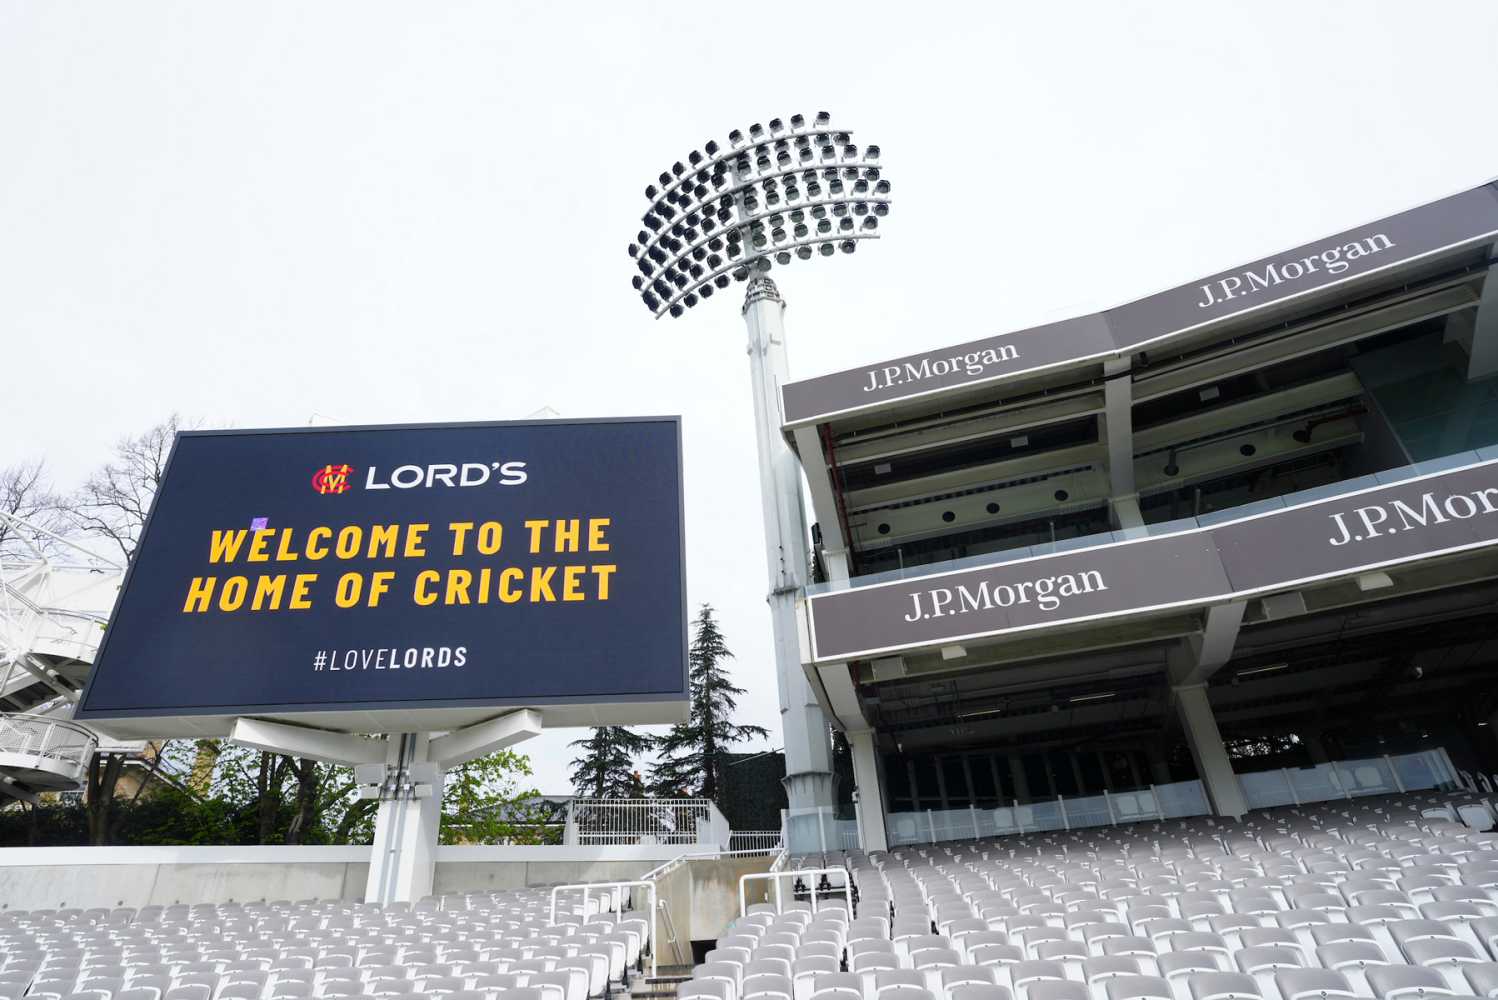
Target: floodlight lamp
(716, 217)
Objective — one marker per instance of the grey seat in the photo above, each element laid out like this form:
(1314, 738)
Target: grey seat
(1296, 984)
(1223, 986)
(1391, 981)
(1483, 978)
(1055, 989)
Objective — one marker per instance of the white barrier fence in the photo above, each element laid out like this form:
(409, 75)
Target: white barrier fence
(594, 822)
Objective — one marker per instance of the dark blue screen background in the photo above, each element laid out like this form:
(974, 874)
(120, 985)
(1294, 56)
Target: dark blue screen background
(156, 660)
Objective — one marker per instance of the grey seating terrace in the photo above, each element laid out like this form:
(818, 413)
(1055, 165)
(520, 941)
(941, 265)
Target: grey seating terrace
(476, 946)
(1388, 899)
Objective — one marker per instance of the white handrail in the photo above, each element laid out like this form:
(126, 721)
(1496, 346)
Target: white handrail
(666, 867)
(587, 888)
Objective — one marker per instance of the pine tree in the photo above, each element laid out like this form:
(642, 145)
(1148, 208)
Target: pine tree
(689, 753)
(606, 768)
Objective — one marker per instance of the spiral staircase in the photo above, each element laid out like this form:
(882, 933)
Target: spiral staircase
(55, 597)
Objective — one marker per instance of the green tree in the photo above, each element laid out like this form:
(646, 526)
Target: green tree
(606, 767)
(483, 802)
(689, 753)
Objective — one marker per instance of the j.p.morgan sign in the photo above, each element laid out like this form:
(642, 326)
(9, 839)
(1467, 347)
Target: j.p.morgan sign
(1383, 526)
(1449, 224)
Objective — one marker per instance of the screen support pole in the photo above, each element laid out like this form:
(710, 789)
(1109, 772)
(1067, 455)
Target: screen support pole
(402, 863)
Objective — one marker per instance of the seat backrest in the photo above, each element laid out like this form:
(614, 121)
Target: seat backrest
(1397, 980)
(1138, 988)
(1295, 984)
(1056, 989)
(1222, 986)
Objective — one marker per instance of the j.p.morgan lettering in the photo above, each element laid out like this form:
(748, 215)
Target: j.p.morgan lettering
(1333, 260)
(972, 363)
(1047, 593)
(1362, 524)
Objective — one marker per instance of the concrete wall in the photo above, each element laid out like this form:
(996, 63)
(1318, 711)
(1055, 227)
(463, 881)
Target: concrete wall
(36, 877)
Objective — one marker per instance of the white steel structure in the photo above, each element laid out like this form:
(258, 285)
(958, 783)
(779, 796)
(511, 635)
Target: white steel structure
(782, 192)
(54, 599)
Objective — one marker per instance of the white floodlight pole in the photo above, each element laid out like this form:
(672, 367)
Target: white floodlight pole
(789, 192)
(808, 754)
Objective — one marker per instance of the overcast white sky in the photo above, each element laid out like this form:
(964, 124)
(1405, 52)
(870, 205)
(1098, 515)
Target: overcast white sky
(252, 212)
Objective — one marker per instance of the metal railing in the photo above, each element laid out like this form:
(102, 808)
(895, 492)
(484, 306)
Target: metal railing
(811, 878)
(637, 821)
(616, 900)
(47, 742)
(755, 840)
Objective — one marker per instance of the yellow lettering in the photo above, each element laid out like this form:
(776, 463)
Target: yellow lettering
(425, 579)
(484, 581)
(595, 534)
(283, 551)
(225, 546)
(603, 573)
(386, 535)
(568, 533)
(416, 541)
(379, 584)
(316, 542)
(350, 537)
(199, 593)
(571, 580)
(268, 588)
(460, 530)
(458, 582)
(299, 599)
(541, 583)
(258, 551)
(491, 535)
(349, 586)
(536, 527)
(232, 596)
(508, 594)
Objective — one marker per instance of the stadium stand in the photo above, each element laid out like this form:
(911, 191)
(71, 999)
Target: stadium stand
(474, 946)
(1388, 898)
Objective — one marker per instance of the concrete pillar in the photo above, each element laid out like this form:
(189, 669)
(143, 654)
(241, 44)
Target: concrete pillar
(1212, 764)
(1132, 757)
(1102, 763)
(1118, 426)
(404, 855)
(1482, 340)
(1017, 772)
(1050, 775)
(870, 808)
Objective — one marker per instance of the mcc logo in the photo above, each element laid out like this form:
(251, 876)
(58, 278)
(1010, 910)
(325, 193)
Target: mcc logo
(332, 479)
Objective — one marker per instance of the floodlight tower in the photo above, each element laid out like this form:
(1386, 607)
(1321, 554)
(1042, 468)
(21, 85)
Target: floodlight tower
(789, 191)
